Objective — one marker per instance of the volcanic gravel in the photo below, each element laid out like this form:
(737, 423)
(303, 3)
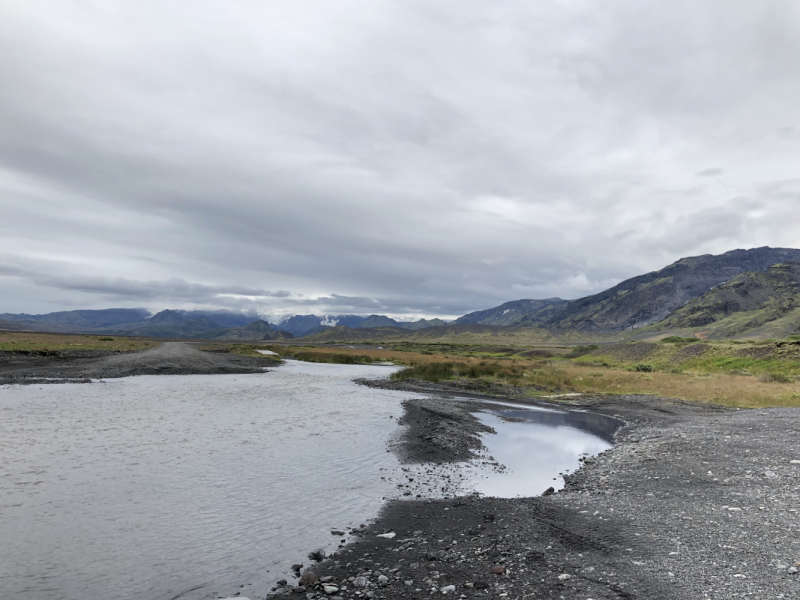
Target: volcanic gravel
(693, 502)
(170, 358)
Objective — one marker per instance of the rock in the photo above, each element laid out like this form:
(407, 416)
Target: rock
(360, 582)
(791, 570)
(447, 589)
(549, 491)
(308, 578)
(387, 536)
(794, 462)
(317, 555)
(330, 589)
(326, 579)
(498, 570)
(769, 474)
(383, 580)
(564, 576)
(281, 582)
(297, 567)
(337, 532)
(409, 582)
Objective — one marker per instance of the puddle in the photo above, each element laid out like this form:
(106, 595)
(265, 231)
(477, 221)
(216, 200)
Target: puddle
(268, 352)
(534, 452)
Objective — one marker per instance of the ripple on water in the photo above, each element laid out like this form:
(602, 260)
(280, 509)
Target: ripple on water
(154, 487)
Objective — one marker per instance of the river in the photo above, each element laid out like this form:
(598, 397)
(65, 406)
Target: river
(201, 486)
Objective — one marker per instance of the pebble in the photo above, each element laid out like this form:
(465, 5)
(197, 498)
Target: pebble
(387, 536)
(795, 462)
(447, 589)
(498, 570)
(791, 570)
(564, 576)
(330, 589)
(383, 580)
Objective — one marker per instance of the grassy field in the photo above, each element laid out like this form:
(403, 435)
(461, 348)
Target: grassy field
(739, 375)
(53, 342)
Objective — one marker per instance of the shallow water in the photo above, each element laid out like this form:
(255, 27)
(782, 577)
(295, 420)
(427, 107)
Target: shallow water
(146, 487)
(165, 487)
(537, 448)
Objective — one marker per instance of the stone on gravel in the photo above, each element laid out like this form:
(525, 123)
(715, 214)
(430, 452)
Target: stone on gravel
(308, 578)
(330, 589)
(387, 536)
(498, 570)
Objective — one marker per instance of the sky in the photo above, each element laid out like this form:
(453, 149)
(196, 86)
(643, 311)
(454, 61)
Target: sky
(409, 158)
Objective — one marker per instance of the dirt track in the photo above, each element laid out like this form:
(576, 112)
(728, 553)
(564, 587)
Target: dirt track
(170, 358)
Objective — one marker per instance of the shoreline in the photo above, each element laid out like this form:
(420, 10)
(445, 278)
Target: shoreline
(693, 501)
(169, 358)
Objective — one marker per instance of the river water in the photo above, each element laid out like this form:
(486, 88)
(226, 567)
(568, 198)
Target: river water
(165, 487)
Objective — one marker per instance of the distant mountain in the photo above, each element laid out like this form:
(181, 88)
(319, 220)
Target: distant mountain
(461, 333)
(383, 321)
(516, 312)
(378, 321)
(651, 297)
(11, 326)
(422, 324)
(257, 330)
(749, 304)
(639, 301)
(167, 323)
(300, 325)
(78, 320)
(225, 318)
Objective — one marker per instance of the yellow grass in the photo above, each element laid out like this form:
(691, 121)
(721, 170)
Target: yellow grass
(729, 390)
(545, 377)
(10, 341)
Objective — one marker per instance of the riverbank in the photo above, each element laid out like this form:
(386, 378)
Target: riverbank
(169, 358)
(694, 501)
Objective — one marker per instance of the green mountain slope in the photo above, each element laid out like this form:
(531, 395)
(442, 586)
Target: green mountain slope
(651, 297)
(639, 301)
(751, 304)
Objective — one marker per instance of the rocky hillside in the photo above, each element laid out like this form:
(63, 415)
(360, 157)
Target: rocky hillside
(517, 312)
(749, 304)
(639, 301)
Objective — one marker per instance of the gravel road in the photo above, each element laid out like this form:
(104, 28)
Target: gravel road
(170, 358)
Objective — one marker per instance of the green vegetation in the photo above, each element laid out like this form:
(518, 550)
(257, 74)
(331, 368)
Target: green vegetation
(579, 351)
(676, 339)
(329, 357)
(12, 341)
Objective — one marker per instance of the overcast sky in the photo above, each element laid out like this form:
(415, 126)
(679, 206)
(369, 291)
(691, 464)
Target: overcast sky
(410, 158)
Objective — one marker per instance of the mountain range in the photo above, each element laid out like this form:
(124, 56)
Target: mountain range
(739, 293)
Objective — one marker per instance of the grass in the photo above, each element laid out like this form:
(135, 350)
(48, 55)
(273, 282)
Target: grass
(720, 378)
(50, 342)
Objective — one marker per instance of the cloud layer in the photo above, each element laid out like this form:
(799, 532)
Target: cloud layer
(411, 158)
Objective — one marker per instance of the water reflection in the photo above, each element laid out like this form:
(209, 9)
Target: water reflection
(537, 447)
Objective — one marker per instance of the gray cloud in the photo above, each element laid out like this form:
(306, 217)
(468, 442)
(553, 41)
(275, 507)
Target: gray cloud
(401, 157)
